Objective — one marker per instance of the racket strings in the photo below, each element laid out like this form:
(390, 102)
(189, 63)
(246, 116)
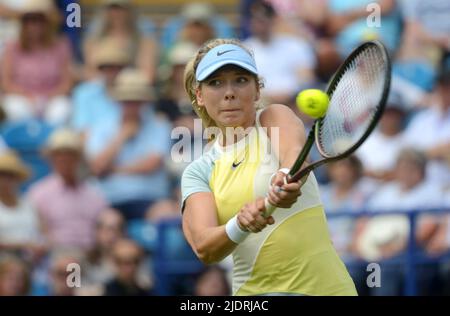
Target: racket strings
(353, 102)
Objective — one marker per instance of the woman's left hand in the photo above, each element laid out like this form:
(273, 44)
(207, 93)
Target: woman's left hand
(283, 195)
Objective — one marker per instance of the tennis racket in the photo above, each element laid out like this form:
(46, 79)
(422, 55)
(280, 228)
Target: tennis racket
(357, 92)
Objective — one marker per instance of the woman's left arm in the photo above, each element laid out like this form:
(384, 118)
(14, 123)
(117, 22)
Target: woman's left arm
(287, 136)
(286, 132)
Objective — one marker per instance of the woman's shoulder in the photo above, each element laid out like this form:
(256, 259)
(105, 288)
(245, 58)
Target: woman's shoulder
(273, 112)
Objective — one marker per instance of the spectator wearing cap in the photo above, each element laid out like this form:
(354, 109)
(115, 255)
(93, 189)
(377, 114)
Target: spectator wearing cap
(197, 23)
(19, 222)
(127, 153)
(92, 99)
(117, 19)
(380, 151)
(36, 71)
(429, 131)
(67, 204)
(285, 62)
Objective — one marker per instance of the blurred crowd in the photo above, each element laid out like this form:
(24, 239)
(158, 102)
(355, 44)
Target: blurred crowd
(86, 148)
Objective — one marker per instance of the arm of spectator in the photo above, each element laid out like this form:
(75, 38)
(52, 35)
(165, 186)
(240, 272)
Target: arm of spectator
(66, 83)
(103, 162)
(148, 57)
(8, 86)
(441, 151)
(415, 31)
(147, 165)
(337, 22)
(88, 49)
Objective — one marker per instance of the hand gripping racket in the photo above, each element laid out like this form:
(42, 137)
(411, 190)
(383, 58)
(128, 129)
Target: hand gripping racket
(357, 92)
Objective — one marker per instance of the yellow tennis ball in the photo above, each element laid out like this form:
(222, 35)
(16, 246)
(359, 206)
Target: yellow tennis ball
(313, 102)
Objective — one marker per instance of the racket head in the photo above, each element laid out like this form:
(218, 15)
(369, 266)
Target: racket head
(365, 73)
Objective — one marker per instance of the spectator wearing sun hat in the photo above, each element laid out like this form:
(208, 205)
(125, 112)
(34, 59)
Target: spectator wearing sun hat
(37, 68)
(67, 204)
(19, 224)
(92, 99)
(127, 153)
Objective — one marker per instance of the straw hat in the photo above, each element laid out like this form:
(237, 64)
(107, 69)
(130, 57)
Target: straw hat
(10, 162)
(64, 139)
(197, 11)
(110, 52)
(121, 3)
(181, 53)
(37, 6)
(132, 85)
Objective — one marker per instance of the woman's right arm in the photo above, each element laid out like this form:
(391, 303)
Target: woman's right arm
(209, 241)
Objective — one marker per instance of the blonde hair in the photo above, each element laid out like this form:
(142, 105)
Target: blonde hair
(191, 83)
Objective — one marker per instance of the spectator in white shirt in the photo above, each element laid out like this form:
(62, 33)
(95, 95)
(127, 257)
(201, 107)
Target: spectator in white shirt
(285, 62)
(429, 131)
(19, 224)
(386, 236)
(380, 151)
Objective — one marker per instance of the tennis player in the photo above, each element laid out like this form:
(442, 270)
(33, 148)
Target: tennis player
(289, 253)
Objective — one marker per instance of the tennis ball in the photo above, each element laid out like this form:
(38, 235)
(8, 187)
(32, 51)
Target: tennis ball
(313, 102)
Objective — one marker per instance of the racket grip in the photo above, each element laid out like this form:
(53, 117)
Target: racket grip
(269, 208)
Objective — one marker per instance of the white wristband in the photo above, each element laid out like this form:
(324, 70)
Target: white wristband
(234, 232)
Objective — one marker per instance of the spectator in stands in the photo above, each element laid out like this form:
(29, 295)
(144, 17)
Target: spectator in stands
(347, 191)
(19, 223)
(67, 204)
(348, 21)
(99, 266)
(285, 62)
(173, 100)
(58, 278)
(379, 153)
(198, 22)
(386, 236)
(92, 99)
(128, 153)
(426, 36)
(36, 70)
(118, 20)
(127, 257)
(14, 277)
(212, 282)
(429, 131)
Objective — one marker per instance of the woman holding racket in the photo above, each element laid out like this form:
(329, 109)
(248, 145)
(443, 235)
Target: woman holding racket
(223, 192)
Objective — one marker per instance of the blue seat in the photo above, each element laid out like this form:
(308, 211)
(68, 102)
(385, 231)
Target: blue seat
(27, 138)
(175, 264)
(144, 233)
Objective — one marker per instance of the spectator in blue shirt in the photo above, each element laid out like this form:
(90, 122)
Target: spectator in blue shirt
(127, 152)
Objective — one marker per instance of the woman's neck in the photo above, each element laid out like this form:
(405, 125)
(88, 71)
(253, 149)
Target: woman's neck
(232, 135)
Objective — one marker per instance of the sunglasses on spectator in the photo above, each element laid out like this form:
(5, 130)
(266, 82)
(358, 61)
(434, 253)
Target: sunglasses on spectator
(110, 66)
(127, 260)
(34, 17)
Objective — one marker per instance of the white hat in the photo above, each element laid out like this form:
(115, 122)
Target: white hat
(37, 6)
(64, 138)
(132, 85)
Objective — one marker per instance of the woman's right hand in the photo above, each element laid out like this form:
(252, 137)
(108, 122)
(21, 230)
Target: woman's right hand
(250, 217)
